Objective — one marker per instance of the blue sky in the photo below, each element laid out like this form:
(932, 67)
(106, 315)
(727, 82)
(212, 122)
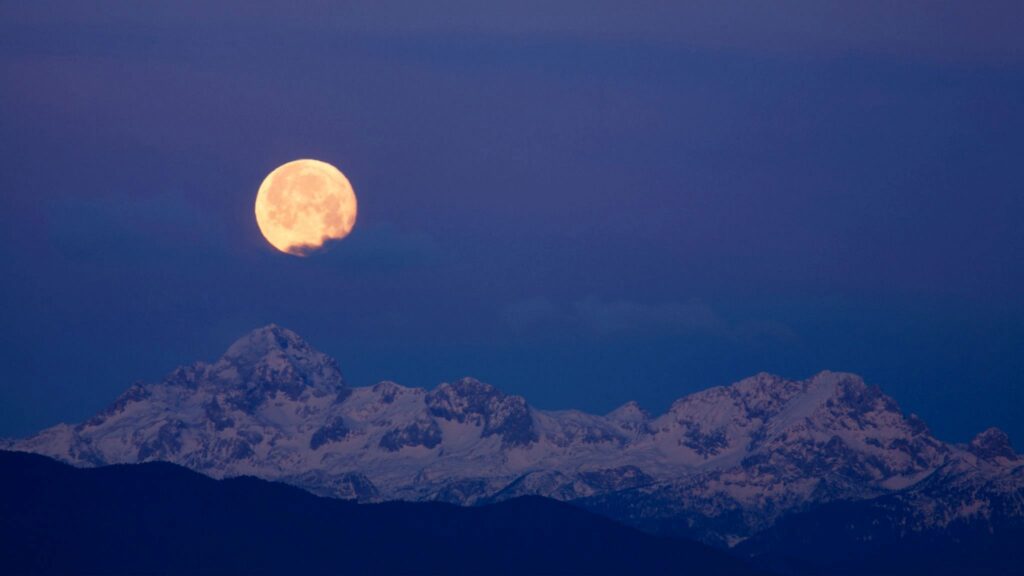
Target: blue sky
(585, 203)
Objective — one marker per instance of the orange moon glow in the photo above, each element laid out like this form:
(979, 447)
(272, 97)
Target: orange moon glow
(303, 204)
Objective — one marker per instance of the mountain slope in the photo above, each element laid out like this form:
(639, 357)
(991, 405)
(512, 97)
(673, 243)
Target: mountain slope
(160, 518)
(964, 519)
(720, 465)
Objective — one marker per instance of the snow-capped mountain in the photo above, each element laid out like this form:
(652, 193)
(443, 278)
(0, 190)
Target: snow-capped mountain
(964, 518)
(719, 465)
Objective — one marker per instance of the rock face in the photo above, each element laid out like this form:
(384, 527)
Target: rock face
(720, 465)
(966, 517)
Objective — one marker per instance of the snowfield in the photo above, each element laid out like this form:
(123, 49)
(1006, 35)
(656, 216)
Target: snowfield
(719, 465)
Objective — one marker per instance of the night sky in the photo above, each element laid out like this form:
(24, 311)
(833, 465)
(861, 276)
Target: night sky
(581, 202)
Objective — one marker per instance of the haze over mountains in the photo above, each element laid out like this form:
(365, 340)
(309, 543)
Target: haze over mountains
(721, 466)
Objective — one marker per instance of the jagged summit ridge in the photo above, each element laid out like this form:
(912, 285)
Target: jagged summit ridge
(277, 358)
(274, 407)
(469, 400)
(992, 444)
(270, 340)
(262, 363)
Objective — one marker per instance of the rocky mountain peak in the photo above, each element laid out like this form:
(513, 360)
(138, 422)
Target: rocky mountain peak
(766, 395)
(468, 386)
(629, 412)
(734, 457)
(273, 358)
(387, 391)
(992, 444)
(268, 340)
(852, 393)
(829, 377)
(469, 400)
(772, 385)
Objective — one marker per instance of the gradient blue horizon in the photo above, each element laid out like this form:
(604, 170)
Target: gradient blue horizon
(584, 211)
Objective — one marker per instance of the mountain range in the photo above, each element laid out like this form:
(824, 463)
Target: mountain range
(729, 466)
(160, 518)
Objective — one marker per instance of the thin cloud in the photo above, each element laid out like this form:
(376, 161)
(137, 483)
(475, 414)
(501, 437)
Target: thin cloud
(610, 318)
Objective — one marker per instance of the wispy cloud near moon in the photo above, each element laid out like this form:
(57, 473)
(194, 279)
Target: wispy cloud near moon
(608, 318)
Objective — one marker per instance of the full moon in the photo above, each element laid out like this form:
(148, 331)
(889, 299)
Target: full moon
(303, 204)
